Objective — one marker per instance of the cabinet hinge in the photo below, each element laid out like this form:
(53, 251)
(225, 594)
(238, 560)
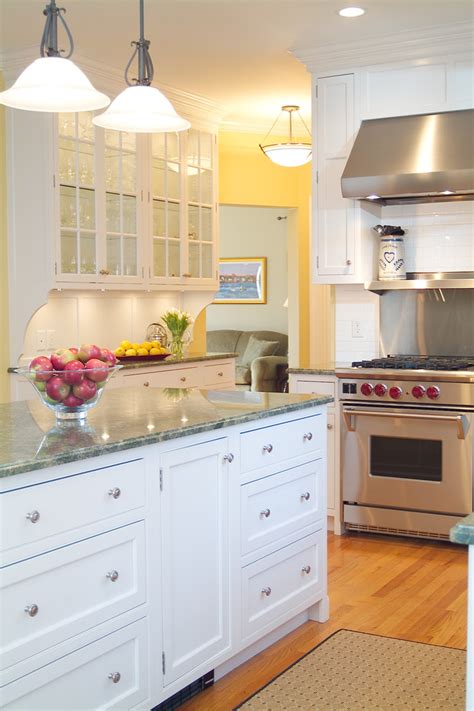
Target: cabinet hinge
(54, 181)
(161, 489)
(316, 91)
(317, 177)
(317, 262)
(55, 267)
(163, 663)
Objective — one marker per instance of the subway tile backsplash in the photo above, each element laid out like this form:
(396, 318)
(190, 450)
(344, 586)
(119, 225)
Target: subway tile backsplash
(357, 324)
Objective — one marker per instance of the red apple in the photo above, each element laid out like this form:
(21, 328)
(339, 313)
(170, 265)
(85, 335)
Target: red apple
(74, 350)
(60, 357)
(108, 357)
(96, 370)
(85, 390)
(57, 389)
(73, 372)
(88, 351)
(42, 366)
(72, 401)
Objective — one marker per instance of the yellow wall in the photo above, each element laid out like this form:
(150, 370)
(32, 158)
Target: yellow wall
(247, 177)
(4, 387)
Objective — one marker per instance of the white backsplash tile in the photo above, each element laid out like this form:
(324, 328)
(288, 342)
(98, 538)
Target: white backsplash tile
(354, 303)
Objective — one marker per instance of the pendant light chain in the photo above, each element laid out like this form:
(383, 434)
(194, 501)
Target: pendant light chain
(49, 40)
(145, 63)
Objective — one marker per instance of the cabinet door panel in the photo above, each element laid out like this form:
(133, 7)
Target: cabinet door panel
(195, 556)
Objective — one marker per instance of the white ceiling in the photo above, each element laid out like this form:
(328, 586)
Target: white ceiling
(235, 52)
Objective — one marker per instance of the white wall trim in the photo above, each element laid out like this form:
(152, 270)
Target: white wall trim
(414, 44)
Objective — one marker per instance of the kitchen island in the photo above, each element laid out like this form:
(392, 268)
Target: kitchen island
(174, 533)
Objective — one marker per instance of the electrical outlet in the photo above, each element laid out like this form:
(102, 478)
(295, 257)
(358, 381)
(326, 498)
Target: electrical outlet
(40, 340)
(357, 329)
(50, 339)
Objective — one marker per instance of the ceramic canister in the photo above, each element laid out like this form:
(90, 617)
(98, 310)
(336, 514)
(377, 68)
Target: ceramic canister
(392, 257)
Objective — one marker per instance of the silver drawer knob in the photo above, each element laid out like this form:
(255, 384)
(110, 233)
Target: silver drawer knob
(115, 677)
(348, 262)
(146, 384)
(112, 575)
(265, 513)
(329, 426)
(33, 516)
(115, 492)
(220, 374)
(267, 591)
(305, 496)
(306, 569)
(32, 610)
(308, 436)
(229, 457)
(183, 379)
(268, 448)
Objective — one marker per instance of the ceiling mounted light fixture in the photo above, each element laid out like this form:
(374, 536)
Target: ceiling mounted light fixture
(351, 12)
(141, 108)
(53, 83)
(291, 153)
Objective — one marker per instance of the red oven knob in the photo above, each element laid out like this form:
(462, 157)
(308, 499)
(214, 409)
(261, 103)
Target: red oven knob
(380, 389)
(396, 392)
(433, 392)
(418, 391)
(366, 389)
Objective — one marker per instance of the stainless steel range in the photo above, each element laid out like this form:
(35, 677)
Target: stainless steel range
(407, 444)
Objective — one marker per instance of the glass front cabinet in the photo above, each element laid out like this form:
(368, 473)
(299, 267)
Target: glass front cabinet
(134, 209)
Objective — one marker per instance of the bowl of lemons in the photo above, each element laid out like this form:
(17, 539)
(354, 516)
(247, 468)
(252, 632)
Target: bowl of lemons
(147, 350)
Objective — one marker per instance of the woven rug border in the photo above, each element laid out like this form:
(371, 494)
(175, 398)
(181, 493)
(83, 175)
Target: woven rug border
(342, 629)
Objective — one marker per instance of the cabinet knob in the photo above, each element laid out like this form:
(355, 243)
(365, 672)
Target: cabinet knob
(220, 374)
(229, 457)
(306, 496)
(186, 274)
(306, 569)
(33, 516)
(146, 384)
(112, 575)
(115, 492)
(115, 677)
(348, 262)
(104, 272)
(308, 436)
(267, 591)
(32, 610)
(183, 379)
(267, 448)
(329, 426)
(265, 513)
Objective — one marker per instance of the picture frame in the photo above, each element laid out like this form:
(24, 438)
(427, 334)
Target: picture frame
(242, 280)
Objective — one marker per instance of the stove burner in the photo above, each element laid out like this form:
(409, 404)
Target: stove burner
(418, 362)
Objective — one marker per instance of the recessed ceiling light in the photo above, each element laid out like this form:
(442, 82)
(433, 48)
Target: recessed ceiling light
(351, 11)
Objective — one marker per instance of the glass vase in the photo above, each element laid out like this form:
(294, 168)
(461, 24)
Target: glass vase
(176, 347)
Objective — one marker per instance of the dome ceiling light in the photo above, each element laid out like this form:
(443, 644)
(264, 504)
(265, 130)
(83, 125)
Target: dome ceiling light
(141, 108)
(53, 83)
(290, 154)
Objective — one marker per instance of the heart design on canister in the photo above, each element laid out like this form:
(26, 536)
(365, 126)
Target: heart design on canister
(389, 256)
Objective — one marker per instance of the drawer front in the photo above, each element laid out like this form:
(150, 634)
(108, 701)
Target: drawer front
(269, 445)
(111, 673)
(34, 513)
(55, 596)
(313, 387)
(172, 378)
(275, 506)
(220, 373)
(274, 586)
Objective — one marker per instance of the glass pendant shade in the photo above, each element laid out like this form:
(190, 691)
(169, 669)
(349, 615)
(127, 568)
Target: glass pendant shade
(141, 109)
(289, 155)
(53, 84)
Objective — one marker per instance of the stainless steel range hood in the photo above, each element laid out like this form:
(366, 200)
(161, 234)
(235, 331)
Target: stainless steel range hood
(423, 158)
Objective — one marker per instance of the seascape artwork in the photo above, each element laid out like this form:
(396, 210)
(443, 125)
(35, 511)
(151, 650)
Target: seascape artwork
(242, 281)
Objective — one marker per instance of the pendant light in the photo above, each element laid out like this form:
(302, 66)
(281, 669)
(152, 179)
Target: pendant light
(141, 108)
(53, 83)
(291, 153)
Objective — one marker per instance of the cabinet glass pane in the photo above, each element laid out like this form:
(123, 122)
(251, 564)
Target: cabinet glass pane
(159, 226)
(130, 256)
(87, 243)
(86, 165)
(206, 224)
(173, 180)
(193, 148)
(129, 214)
(129, 173)
(67, 124)
(114, 260)
(67, 206)
(173, 258)
(173, 220)
(85, 126)
(112, 138)
(172, 147)
(129, 141)
(193, 184)
(67, 161)
(158, 145)
(86, 209)
(112, 169)
(69, 259)
(206, 186)
(194, 260)
(112, 211)
(206, 261)
(193, 222)
(159, 257)
(158, 178)
(205, 145)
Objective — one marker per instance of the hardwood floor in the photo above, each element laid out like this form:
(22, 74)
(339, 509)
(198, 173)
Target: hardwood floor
(415, 590)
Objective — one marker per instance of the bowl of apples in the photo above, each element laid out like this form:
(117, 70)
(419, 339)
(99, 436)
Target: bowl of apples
(71, 380)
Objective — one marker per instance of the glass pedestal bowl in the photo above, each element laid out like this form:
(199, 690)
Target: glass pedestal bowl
(70, 393)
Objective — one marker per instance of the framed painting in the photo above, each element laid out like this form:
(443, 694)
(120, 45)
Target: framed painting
(242, 280)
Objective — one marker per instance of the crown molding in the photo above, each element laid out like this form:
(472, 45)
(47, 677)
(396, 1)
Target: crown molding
(407, 45)
(203, 112)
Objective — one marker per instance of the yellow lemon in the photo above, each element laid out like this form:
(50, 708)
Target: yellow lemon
(146, 344)
(136, 346)
(130, 352)
(155, 351)
(142, 351)
(155, 344)
(119, 352)
(125, 345)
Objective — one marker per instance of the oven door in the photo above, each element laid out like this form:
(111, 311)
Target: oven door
(407, 458)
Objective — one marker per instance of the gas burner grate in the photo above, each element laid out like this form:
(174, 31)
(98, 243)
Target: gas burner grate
(418, 362)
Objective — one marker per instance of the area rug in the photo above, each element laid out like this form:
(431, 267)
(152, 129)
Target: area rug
(354, 670)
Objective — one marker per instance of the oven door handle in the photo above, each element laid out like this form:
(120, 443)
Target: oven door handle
(460, 420)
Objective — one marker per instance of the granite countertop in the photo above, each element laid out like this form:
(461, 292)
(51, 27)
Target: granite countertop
(30, 438)
(150, 362)
(323, 369)
(463, 531)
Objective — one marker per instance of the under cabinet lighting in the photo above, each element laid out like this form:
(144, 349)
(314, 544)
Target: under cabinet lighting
(373, 197)
(351, 12)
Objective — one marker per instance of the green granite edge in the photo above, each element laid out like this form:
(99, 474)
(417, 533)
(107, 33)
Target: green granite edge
(463, 531)
(313, 371)
(163, 436)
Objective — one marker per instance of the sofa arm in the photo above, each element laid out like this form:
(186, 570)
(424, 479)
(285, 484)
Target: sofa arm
(264, 372)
